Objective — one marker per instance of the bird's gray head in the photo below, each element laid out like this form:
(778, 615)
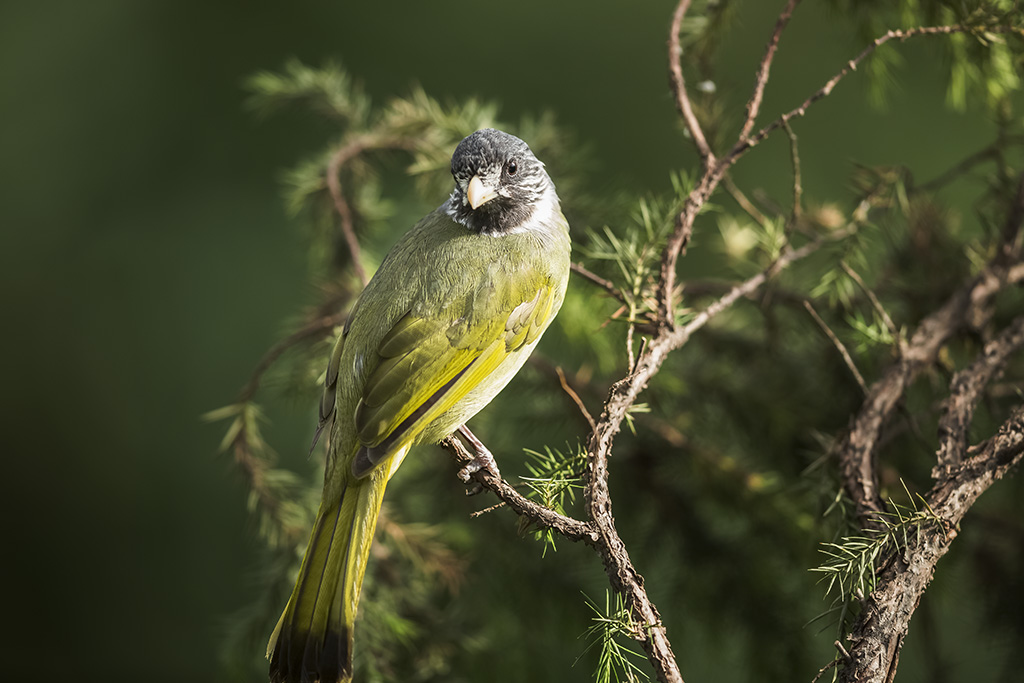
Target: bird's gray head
(500, 186)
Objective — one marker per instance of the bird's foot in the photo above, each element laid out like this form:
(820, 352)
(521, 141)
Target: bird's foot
(483, 460)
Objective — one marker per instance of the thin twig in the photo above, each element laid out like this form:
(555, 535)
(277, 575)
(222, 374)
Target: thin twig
(315, 328)
(900, 34)
(596, 279)
(798, 190)
(823, 669)
(763, 69)
(744, 202)
(745, 288)
(680, 237)
(342, 156)
(961, 167)
(574, 396)
(839, 346)
(675, 70)
(480, 513)
(573, 529)
(876, 304)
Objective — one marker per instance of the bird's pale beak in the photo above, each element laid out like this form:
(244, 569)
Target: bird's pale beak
(479, 194)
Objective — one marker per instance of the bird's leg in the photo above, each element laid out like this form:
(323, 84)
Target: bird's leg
(484, 459)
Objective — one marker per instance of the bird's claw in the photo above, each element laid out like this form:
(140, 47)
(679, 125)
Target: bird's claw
(483, 460)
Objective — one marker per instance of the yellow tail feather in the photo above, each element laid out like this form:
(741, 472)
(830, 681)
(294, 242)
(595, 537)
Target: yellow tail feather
(313, 638)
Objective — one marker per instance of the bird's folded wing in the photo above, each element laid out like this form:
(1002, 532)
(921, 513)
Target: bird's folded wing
(427, 367)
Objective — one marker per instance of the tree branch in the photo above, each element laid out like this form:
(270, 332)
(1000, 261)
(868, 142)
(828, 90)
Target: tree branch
(358, 145)
(596, 279)
(745, 144)
(857, 451)
(317, 327)
(342, 156)
(622, 574)
(836, 342)
(573, 529)
(966, 390)
(675, 70)
(878, 634)
(754, 105)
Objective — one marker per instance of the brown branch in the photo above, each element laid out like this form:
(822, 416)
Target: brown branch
(763, 69)
(798, 188)
(342, 156)
(596, 279)
(875, 303)
(744, 202)
(878, 633)
(966, 390)
(675, 70)
(575, 397)
(345, 154)
(573, 529)
(680, 237)
(991, 152)
(314, 329)
(745, 144)
(847, 358)
(789, 256)
(857, 451)
(623, 576)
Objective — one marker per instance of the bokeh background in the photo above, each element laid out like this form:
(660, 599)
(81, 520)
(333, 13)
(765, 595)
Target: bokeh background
(147, 260)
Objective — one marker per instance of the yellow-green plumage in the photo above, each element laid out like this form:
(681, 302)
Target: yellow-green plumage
(448, 319)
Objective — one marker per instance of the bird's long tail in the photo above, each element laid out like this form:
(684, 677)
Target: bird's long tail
(313, 638)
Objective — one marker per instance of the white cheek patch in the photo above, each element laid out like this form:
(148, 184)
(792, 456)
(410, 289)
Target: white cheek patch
(543, 216)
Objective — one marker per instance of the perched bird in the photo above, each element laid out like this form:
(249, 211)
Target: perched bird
(450, 316)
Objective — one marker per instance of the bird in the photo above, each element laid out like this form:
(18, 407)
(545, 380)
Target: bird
(451, 315)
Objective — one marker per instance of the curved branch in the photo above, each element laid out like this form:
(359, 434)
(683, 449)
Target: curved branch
(341, 157)
(573, 529)
(754, 105)
(966, 390)
(878, 634)
(714, 169)
(622, 575)
(345, 154)
(745, 143)
(857, 450)
(315, 328)
(675, 70)
(596, 279)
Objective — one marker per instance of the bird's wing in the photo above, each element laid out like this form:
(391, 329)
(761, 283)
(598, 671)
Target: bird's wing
(427, 366)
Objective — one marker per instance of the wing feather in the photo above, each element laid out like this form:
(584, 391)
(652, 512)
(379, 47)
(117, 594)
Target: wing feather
(426, 368)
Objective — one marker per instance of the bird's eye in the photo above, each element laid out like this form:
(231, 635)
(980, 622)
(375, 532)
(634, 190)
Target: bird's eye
(511, 167)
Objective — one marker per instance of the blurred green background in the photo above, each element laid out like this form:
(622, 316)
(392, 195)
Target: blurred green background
(147, 260)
